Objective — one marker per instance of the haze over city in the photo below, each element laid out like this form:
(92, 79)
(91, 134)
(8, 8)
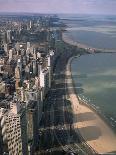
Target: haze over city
(55, 6)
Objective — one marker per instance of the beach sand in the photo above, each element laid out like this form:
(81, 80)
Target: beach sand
(90, 125)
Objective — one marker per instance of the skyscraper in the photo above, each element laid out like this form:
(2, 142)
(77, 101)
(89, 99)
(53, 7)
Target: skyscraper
(17, 77)
(8, 36)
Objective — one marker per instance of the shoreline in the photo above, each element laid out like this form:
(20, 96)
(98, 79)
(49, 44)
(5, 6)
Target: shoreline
(106, 135)
(91, 49)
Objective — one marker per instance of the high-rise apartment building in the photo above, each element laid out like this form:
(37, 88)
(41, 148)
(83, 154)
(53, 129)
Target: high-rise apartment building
(14, 129)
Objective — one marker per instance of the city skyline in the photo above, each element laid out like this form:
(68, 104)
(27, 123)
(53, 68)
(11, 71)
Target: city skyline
(53, 6)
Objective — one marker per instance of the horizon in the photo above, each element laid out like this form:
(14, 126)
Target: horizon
(52, 13)
(52, 6)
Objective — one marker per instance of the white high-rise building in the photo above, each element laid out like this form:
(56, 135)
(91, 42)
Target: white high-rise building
(30, 24)
(28, 45)
(10, 54)
(49, 69)
(49, 66)
(44, 82)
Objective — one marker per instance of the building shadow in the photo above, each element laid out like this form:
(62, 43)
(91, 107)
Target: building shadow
(112, 153)
(90, 133)
(87, 116)
(57, 137)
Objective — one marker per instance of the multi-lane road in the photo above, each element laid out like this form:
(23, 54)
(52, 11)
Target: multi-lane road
(56, 134)
(54, 131)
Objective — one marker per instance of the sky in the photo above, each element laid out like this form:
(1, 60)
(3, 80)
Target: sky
(59, 6)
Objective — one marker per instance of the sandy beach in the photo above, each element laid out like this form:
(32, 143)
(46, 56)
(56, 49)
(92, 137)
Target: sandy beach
(90, 125)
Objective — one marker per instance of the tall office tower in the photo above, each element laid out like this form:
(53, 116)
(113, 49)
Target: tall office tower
(20, 94)
(4, 38)
(37, 82)
(8, 36)
(49, 65)
(17, 77)
(6, 48)
(49, 69)
(28, 45)
(2, 89)
(14, 129)
(24, 60)
(28, 27)
(38, 68)
(34, 54)
(10, 54)
(19, 63)
(28, 50)
(34, 65)
(44, 82)
(30, 24)
(27, 72)
(2, 62)
(19, 27)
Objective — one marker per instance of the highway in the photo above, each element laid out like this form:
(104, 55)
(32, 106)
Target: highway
(56, 134)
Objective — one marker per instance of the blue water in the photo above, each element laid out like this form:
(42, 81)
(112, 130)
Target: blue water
(95, 75)
(95, 81)
(94, 31)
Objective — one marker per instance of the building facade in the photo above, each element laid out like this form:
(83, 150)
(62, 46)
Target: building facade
(14, 129)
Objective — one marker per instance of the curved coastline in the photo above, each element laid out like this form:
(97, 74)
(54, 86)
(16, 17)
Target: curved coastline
(66, 39)
(83, 125)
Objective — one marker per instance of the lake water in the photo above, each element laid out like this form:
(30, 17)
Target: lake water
(94, 75)
(94, 31)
